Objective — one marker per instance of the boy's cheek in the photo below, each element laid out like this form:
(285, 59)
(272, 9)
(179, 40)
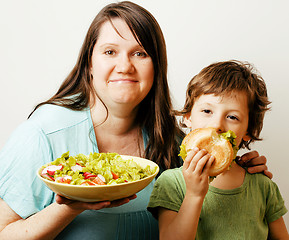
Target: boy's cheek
(246, 138)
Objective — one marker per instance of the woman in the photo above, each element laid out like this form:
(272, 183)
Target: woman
(116, 99)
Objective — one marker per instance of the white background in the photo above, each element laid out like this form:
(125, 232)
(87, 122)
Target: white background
(40, 41)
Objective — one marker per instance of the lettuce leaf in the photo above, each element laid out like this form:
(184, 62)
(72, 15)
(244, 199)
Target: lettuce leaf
(183, 151)
(231, 137)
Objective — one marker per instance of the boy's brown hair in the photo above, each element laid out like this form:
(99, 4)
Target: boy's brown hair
(222, 78)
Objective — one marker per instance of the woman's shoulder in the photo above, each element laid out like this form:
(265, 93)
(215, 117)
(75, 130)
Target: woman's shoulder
(51, 118)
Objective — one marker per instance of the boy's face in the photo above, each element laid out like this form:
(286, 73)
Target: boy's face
(228, 112)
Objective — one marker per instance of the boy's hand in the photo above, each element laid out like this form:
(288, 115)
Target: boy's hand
(196, 172)
(254, 163)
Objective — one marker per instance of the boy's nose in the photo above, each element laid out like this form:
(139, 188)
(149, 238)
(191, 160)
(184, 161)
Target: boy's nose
(218, 125)
(124, 65)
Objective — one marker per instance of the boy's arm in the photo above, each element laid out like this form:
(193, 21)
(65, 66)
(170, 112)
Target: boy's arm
(183, 224)
(278, 230)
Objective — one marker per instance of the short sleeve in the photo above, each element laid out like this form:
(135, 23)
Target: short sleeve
(275, 203)
(27, 149)
(168, 191)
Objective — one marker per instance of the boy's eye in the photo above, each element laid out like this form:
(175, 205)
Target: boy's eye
(206, 111)
(232, 117)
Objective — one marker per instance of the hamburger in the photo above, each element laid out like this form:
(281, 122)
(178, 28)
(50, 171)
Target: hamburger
(221, 146)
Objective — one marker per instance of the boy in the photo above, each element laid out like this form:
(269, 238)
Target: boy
(235, 205)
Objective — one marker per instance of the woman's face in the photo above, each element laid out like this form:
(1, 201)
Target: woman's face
(123, 73)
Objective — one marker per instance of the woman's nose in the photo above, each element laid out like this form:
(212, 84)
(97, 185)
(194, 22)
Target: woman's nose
(124, 65)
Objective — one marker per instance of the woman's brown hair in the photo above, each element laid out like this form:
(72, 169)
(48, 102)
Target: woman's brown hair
(155, 111)
(223, 78)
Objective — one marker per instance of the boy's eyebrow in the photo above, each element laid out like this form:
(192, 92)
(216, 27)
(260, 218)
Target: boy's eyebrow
(204, 103)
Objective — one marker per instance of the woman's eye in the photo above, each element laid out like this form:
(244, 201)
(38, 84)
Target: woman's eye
(140, 54)
(109, 52)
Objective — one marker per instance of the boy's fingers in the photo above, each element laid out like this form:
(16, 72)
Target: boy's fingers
(189, 158)
(202, 163)
(196, 160)
(209, 164)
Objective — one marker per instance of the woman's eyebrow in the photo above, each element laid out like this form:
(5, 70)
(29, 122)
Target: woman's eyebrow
(107, 44)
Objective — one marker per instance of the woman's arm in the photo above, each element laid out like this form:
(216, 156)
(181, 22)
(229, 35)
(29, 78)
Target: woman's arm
(49, 222)
(278, 230)
(46, 224)
(255, 163)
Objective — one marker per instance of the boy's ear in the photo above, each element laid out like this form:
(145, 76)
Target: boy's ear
(187, 120)
(247, 137)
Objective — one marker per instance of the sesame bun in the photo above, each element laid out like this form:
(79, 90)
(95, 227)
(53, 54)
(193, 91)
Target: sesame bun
(215, 144)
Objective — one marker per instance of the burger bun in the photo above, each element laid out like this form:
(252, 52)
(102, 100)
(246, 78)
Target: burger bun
(214, 144)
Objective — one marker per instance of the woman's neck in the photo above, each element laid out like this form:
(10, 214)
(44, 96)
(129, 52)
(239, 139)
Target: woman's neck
(116, 131)
(230, 179)
(119, 119)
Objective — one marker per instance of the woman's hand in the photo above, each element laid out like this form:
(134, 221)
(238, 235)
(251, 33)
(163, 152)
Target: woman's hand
(196, 172)
(254, 163)
(81, 206)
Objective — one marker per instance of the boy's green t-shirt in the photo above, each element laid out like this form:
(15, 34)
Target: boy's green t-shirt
(240, 213)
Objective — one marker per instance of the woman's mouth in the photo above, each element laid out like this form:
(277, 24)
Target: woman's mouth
(122, 80)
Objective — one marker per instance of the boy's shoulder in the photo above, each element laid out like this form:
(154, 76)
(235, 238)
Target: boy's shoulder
(261, 181)
(174, 172)
(259, 177)
(171, 177)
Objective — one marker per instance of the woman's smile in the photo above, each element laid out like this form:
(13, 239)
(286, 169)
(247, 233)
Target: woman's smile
(122, 80)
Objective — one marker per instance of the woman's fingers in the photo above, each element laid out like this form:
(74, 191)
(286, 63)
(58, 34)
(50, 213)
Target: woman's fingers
(249, 156)
(268, 174)
(62, 200)
(254, 163)
(96, 206)
(93, 205)
(251, 159)
(81, 205)
(260, 169)
(120, 202)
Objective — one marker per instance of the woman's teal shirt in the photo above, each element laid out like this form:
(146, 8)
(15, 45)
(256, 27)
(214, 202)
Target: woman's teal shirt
(51, 131)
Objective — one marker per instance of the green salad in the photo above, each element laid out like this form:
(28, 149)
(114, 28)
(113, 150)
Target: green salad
(94, 169)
